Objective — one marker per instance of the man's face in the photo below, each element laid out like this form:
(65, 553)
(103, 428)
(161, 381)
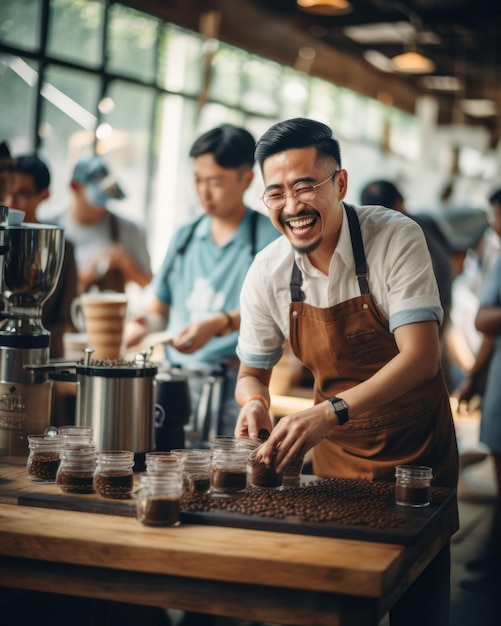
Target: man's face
(25, 196)
(220, 190)
(307, 225)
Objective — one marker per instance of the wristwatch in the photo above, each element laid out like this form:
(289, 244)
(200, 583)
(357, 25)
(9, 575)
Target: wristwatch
(340, 408)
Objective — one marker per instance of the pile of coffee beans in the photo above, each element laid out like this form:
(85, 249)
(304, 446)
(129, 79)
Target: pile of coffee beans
(338, 500)
(109, 363)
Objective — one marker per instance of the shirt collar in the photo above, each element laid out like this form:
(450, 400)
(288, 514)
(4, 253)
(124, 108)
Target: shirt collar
(241, 234)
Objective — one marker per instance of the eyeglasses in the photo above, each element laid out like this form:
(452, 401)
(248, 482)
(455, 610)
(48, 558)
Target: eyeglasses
(302, 192)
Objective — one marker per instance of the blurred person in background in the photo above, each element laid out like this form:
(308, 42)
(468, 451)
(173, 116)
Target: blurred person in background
(110, 251)
(484, 380)
(196, 291)
(385, 193)
(477, 261)
(30, 187)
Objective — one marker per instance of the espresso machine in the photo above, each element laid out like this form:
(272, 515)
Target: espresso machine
(32, 261)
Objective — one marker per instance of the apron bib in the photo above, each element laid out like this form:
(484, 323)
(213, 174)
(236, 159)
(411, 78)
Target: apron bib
(346, 344)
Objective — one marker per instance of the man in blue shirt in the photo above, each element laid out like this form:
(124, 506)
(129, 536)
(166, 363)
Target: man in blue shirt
(197, 290)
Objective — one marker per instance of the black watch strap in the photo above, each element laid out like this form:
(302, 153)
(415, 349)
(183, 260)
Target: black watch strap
(340, 408)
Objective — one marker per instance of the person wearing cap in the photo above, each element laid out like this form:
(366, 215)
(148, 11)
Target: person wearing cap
(5, 174)
(30, 187)
(110, 251)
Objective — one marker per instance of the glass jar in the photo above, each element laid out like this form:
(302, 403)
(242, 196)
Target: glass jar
(113, 477)
(44, 458)
(223, 442)
(197, 466)
(292, 472)
(158, 461)
(77, 468)
(413, 485)
(158, 499)
(76, 434)
(263, 475)
(228, 471)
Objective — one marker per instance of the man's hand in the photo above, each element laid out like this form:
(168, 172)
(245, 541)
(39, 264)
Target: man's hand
(252, 417)
(297, 433)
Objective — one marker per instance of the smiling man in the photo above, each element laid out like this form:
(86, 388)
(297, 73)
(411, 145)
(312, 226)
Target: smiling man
(353, 290)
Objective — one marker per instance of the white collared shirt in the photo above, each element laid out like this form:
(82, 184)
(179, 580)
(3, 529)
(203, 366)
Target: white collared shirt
(401, 282)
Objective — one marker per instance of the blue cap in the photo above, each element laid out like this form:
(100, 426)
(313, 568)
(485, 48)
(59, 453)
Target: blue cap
(93, 173)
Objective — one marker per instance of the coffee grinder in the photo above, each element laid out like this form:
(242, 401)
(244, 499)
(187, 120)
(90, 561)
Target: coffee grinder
(31, 268)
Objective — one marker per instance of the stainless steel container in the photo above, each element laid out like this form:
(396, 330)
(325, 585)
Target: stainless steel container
(118, 402)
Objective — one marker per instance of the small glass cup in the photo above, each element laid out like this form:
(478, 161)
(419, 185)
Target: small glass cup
(44, 458)
(413, 485)
(158, 499)
(113, 477)
(229, 471)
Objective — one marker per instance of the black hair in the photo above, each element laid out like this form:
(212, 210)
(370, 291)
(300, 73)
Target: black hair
(298, 132)
(231, 146)
(495, 197)
(35, 167)
(381, 192)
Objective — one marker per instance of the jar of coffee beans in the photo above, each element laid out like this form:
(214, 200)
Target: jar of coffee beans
(228, 471)
(43, 458)
(77, 467)
(413, 485)
(158, 499)
(263, 475)
(113, 477)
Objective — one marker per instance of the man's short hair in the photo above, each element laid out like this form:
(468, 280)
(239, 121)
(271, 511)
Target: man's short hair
(231, 146)
(382, 193)
(34, 167)
(298, 132)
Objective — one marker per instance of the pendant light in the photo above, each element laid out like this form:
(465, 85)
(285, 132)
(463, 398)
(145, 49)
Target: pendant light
(413, 62)
(325, 7)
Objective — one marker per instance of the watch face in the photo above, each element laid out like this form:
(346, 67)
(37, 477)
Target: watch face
(339, 405)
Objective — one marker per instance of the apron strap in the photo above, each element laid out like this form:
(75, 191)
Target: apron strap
(358, 249)
(297, 295)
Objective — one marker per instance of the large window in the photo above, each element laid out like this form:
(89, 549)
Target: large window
(78, 76)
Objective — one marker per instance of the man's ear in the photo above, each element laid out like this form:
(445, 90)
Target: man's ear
(342, 183)
(248, 177)
(44, 194)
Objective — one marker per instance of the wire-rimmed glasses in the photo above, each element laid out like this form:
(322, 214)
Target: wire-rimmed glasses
(302, 192)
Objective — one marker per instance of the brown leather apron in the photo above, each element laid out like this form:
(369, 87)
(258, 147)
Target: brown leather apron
(346, 344)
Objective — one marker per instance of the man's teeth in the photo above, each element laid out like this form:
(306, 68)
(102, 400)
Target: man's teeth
(301, 223)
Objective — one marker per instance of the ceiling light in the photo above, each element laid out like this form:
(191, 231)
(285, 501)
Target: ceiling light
(479, 107)
(412, 62)
(325, 7)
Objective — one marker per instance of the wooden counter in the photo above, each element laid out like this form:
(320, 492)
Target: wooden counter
(249, 574)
